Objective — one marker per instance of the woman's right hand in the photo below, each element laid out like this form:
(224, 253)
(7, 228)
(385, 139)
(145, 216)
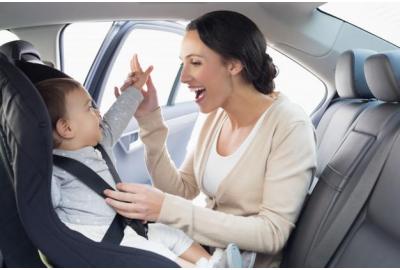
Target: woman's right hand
(150, 100)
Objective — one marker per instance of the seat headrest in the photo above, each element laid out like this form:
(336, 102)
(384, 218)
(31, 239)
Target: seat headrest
(39, 72)
(349, 74)
(21, 50)
(382, 72)
(22, 54)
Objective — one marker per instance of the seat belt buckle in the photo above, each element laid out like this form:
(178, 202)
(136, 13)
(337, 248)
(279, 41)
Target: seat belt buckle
(138, 226)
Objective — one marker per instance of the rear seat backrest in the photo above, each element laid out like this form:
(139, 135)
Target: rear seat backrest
(374, 240)
(377, 225)
(354, 97)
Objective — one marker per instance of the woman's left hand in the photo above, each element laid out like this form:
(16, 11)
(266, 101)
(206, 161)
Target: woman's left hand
(136, 201)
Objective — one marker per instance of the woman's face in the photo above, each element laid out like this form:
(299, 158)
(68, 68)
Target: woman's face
(205, 73)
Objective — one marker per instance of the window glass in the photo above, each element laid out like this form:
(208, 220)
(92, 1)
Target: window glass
(379, 18)
(7, 36)
(301, 86)
(81, 42)
(183, 94)
(154, 47)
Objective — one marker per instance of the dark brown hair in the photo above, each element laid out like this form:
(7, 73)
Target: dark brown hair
(54, 92)
(234, 36)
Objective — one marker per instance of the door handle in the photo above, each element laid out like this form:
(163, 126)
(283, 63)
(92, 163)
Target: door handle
(130, 141)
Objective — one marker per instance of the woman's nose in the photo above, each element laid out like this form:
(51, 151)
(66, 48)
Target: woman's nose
(185, 76)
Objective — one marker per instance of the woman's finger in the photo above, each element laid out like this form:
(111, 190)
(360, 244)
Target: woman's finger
(132, 187)
(147, 72)
(131, 215)
(150, 85)
(116, 92)
(121, 206)
(120, 196)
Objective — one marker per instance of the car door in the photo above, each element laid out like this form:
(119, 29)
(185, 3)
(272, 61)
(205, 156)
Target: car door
(157, 43)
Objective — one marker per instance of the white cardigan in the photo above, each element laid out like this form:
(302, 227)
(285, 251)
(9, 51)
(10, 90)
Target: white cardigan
(257, 204)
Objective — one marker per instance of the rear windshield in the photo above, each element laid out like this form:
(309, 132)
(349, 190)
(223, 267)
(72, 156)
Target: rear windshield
(379, 18)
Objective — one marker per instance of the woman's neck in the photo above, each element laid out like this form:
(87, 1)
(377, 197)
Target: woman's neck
(246, 106)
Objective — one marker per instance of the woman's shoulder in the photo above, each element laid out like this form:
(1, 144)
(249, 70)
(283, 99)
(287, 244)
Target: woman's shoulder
(286, 111)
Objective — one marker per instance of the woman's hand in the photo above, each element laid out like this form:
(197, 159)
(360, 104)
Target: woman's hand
(136, 201)
(150, 100)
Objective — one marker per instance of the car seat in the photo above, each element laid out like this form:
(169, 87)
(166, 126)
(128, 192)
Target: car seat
(26, 153)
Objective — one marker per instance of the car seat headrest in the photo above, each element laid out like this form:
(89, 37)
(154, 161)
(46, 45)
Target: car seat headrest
(382, 71)
(21, 50)
(349, 74)
(25, 56)
(39, 72)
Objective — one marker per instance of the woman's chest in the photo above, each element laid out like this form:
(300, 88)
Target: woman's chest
(228, 140)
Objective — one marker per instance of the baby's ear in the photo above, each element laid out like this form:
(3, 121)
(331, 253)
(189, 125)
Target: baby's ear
(63, 129)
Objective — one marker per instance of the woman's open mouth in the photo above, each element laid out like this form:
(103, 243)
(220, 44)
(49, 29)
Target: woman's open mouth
(200, 93)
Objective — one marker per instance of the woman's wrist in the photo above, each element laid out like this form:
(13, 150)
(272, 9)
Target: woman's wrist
(140, 115)
(149, 118)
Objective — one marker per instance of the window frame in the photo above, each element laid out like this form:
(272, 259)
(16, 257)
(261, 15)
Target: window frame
(108, 52)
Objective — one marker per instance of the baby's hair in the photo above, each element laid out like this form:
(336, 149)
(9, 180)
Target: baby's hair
(54, 92)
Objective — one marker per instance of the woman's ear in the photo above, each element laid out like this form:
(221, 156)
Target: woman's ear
(235, 67)
(64, 129)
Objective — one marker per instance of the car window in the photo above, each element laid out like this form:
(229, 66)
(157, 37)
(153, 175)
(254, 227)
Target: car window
(80, 44)
(378, 18)
(300, 85)
(7, 36)
(154, 47)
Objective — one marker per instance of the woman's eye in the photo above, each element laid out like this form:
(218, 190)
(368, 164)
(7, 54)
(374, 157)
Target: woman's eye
(196, 63)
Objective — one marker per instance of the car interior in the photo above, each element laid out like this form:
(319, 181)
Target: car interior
(349, 218)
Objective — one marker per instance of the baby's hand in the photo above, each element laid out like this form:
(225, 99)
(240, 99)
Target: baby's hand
(139, 78)
(136, 78)
(130, 81)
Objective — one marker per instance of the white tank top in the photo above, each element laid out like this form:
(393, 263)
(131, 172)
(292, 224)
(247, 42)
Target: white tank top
(218, 167)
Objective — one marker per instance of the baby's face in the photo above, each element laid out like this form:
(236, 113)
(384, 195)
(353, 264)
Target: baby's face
(84, 117)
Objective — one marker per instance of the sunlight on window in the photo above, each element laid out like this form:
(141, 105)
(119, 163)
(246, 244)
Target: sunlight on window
(153, 47)
(81, 42)
(7, 36)
(379, 18)
(301, 86)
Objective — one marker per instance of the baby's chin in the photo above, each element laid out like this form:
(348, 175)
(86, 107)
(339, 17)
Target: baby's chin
(97, 140)
(100, 138)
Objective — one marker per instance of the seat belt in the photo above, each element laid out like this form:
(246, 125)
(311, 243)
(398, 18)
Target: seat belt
(137, 225)
(351, 209)
(91, 179)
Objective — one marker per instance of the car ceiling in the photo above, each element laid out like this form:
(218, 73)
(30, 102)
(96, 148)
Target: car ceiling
(14, 15)
(294, 28)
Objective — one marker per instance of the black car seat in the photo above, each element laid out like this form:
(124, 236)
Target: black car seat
(354, 96)
(351, 218)
(26, 135)
(27, 58)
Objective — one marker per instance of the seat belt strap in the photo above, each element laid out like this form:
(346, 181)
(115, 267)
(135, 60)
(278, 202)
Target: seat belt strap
(135, 224)
(351, 209)
(86, 175)
(91, 179)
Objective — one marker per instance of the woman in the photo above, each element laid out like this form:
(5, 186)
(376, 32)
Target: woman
(255, 154)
